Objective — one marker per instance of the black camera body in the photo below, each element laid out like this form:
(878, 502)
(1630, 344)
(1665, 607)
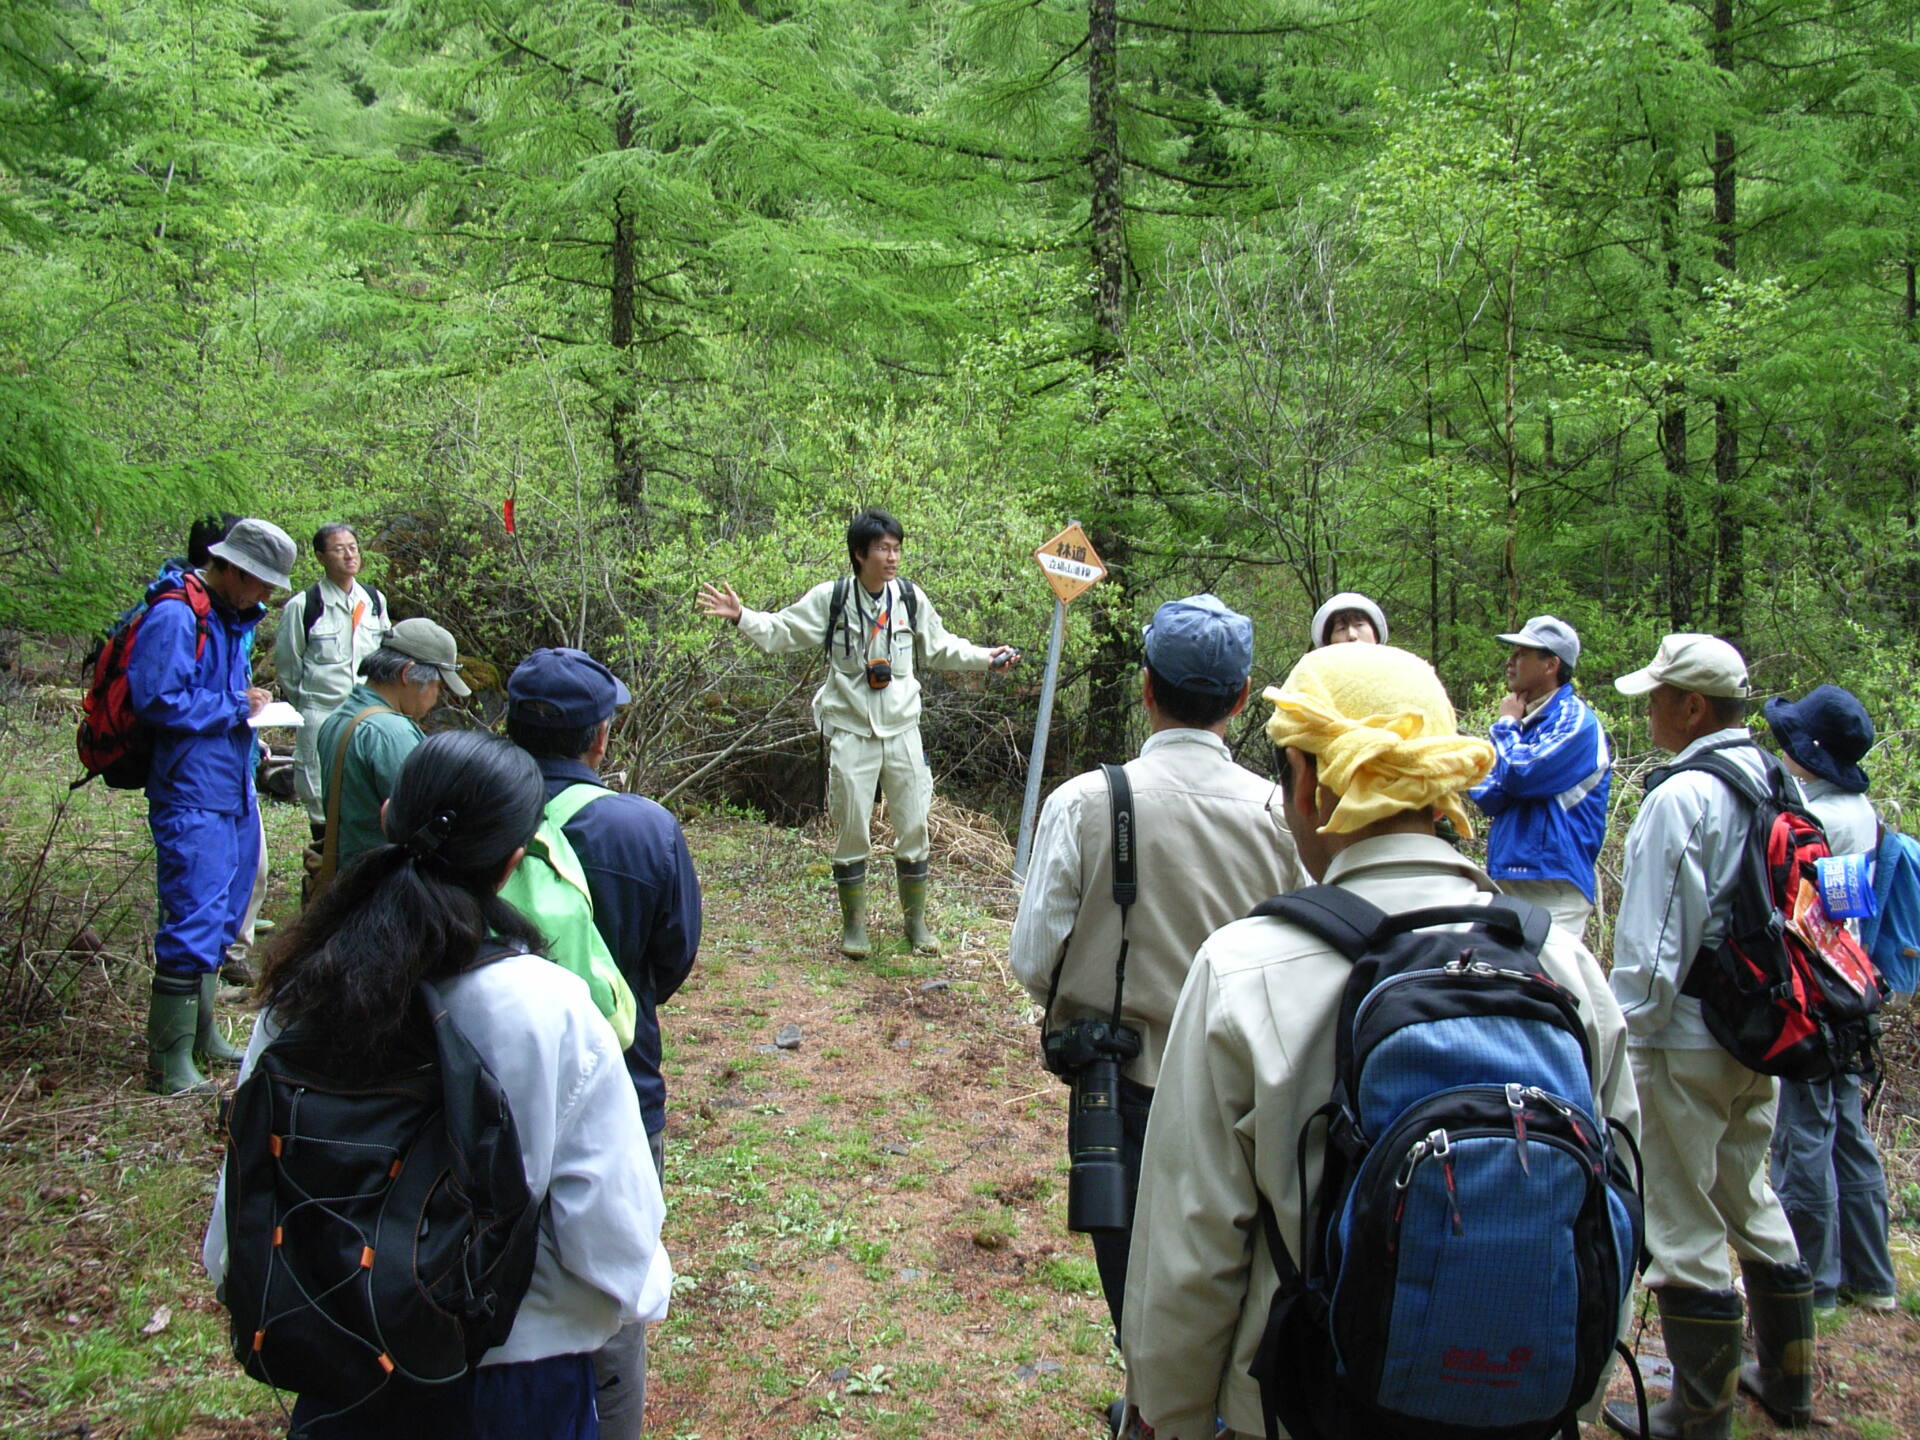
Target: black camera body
(1088, 1055)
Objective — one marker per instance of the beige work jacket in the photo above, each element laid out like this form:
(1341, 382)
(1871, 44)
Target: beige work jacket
(845, 701)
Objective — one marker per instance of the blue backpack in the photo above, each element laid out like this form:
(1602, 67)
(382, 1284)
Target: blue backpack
(1891, 935)
(1475, 1232)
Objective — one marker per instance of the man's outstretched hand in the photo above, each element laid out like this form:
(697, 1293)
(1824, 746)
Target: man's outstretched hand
(720, 601)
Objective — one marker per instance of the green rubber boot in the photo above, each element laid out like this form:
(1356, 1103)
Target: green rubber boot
(172, 1017)
(851, 882)
(210, 1046)
(1702, 1330)
(1781, 1377)
(912, 876)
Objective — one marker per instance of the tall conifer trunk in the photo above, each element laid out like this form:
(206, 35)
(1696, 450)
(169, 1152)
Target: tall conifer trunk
(621, 412)
(1117, 648)
(1730, 563)
(1673, 422)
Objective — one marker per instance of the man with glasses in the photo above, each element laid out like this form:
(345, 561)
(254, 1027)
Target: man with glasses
(875, 629)
(326, 631)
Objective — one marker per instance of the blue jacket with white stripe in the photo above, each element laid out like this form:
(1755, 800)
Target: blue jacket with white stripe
(1547, 793)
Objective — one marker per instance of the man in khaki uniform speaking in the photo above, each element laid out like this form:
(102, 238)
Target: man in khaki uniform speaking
(881, 629)
(1372, 751)
(1208, 843)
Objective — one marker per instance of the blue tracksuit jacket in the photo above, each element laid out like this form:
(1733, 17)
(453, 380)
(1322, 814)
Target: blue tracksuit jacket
(1547, 794)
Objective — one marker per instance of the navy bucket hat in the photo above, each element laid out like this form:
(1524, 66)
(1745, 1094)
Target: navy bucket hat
(1827, 732)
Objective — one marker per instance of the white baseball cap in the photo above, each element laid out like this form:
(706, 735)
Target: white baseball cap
(1703, 664)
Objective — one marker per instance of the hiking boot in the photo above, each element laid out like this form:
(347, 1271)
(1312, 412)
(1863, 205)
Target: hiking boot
(210, 1046)
(1780, 1298)
(237, 969)
(1703, 1330)
(851, 882)
(913, 906)
(172, 1017)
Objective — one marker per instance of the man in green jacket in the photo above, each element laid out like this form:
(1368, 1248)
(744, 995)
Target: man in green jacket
(869, 707)
(362, 744)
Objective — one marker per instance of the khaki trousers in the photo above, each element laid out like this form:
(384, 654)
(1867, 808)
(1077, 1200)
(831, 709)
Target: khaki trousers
(306, 763)
(1706, 1121)
(1560, 898)
(858, 765)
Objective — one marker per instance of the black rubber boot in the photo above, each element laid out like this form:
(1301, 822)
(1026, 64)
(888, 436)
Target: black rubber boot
(1780, 1298)
(172, 1017)
(912, 876)
(1703, 1329)
(851, 882)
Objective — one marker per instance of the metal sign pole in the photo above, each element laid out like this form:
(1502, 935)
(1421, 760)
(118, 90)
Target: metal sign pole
(1030, 807)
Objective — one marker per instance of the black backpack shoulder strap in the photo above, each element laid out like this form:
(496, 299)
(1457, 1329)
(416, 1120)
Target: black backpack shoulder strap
(1520, 920)
(1337, 916)
(379, 601)
(836, 607)
(1729, 772)
(315, 608)
(911, 598)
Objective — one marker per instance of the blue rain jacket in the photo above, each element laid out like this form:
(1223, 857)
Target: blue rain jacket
(203, 749)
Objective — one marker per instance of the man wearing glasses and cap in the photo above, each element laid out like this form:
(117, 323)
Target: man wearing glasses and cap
(1546, 797)
(190, 681)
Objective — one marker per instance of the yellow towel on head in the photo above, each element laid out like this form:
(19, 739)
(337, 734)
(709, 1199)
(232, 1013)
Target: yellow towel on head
(1380, 726)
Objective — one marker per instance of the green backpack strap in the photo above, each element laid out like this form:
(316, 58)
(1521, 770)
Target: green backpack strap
(550, 888)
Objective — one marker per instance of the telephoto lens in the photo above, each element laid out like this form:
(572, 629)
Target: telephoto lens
(1097, 1184)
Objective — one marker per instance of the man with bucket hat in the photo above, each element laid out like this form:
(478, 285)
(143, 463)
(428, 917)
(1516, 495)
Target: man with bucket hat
(367, 738)
(1826, 1168)
(190, 680)
(1208, 847)
(1706, 1118)
(1546, 797)
(646, 906)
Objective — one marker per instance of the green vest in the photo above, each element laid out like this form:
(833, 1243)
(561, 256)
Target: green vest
(549, 887)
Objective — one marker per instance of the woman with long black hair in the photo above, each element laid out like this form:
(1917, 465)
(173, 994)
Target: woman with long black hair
(425, 908)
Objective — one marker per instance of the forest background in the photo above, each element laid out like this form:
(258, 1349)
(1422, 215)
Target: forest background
(1599, 307)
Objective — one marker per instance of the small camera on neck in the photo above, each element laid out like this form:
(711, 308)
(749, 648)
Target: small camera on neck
(879, 674)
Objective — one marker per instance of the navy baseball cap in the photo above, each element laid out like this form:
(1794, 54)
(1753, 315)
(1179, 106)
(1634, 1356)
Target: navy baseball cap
(563, 689)
(1199, 644)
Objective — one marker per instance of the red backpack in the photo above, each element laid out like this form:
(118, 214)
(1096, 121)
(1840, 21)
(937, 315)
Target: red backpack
(113, 742)
(1789, 992)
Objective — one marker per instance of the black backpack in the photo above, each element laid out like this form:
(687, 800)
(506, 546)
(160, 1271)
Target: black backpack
(1789, 992)
(1475, 1233)
(379, 1226)
(837, 607)
(315, 607)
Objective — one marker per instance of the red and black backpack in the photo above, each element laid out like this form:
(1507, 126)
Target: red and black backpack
(113, 742)
(1789, 992)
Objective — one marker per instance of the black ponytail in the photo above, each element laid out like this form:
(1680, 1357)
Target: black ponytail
(418, 908)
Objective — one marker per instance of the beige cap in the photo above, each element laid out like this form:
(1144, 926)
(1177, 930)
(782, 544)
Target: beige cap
(1702, 664)
(431, 644)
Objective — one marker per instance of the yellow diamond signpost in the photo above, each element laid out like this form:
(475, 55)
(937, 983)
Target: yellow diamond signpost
(1072, 568)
